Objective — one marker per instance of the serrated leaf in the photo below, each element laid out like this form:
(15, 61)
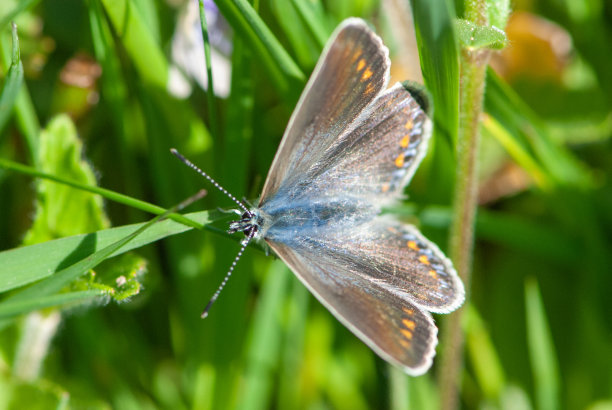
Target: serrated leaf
(61, 210)
(474, 37)
(120, 277)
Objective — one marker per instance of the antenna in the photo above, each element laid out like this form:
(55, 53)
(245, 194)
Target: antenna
(228, 274)
(208, 177)
(245, 242)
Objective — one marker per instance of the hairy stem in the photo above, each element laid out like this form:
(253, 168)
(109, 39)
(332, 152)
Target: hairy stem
(473, 70)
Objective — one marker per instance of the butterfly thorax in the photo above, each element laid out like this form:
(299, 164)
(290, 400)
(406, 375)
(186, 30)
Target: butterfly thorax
(286, 221)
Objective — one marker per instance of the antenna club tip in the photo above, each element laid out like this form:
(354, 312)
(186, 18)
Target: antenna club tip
(174, 151)
(204, 315)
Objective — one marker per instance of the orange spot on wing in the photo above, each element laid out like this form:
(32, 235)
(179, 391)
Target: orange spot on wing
(385, 187)
(413, 245)
(410, 324)
(405, 141)
(361, 64)
(433, 274)
(366, 74)
(404, 343)
(407, 334)
(399, 161)
(409, 124)
(408, 311)
(424, 259)
(369, 88)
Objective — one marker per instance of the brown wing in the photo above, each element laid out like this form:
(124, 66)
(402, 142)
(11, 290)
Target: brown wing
(397, 330)
(378, 155)
(352, 71)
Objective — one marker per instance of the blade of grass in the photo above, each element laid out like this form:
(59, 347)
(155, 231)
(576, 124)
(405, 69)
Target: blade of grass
(18, 307)
(529, 132)
(439, 55)
(210, 91)
(315, 25)
(518, 152)
(541, 350)
(13, 81)
(110, 195)
(263, 348)
(138, 40)
(483, 355)
(282, 70)
(21, 266)
(63, 277)
(21, 6)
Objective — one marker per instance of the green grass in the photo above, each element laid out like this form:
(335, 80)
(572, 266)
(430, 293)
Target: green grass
(112, 302)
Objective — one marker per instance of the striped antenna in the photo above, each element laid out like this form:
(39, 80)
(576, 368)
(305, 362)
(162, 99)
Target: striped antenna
(208, 177)
(212, 300)
(245, 242)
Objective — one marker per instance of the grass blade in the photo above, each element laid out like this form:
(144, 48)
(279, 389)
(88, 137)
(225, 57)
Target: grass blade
(28, 264)
(13, 81)
(541, 350)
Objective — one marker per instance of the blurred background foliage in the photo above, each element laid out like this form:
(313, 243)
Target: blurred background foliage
(99, 90)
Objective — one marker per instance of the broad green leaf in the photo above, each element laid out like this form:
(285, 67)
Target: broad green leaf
(61, 210)
(28, 264)
(41, 294)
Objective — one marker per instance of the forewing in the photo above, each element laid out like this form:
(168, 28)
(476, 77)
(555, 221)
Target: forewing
(352, 70)
(377, 156)
(397, 330)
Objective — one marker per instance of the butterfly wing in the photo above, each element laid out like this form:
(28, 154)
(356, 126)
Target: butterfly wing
(394, 328)
(379, 279)
(353, 69)
(376, 158)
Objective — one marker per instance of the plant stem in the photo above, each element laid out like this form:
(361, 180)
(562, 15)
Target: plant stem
(473, 71)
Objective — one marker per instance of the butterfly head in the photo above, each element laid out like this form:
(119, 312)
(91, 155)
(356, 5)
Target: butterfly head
(250, 223)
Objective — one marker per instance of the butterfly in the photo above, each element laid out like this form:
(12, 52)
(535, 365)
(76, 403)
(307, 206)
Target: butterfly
(349, 150)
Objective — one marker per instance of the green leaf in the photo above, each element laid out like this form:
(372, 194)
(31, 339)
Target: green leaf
(119, 278)
(531, 139)
(21, 266)
(137, 38)
(61, 210)
(498, 12)
(12, 83)
(108, 194)
(41, 294)
(542, 354)
(474, 37)
(282, 70)
(483, 355)
(265, 337)
(304, 32)
(439, 54)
